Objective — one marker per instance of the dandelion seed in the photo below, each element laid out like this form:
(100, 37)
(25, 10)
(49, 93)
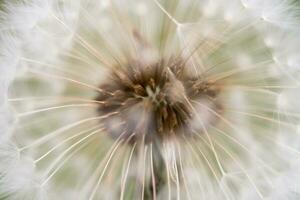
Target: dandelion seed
(153, 99)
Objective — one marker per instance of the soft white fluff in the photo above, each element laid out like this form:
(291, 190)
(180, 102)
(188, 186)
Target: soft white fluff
(79, 39)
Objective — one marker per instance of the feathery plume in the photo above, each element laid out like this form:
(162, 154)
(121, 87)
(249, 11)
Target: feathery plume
(149, 99)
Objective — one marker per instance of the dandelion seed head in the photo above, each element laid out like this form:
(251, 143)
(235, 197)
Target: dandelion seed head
(148, 100)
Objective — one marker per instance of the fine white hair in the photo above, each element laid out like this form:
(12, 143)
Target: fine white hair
(51, 38)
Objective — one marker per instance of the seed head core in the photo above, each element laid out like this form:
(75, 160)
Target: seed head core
(156, 101)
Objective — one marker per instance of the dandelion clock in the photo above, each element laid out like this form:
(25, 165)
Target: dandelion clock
(149, 99)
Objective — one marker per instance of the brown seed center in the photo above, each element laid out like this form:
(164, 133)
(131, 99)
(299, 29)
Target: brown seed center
(155, 102)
